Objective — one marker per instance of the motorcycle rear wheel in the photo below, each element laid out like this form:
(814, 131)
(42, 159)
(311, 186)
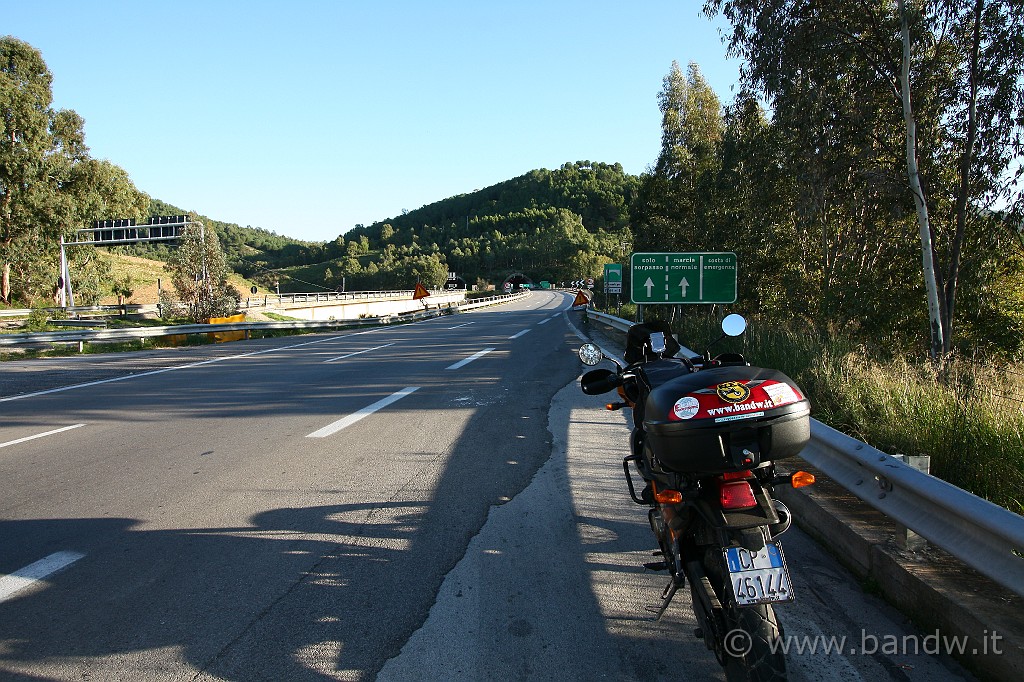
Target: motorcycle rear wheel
(751, 645)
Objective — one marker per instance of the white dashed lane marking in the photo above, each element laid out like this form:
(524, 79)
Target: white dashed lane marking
(471, 358)
(344, 422)
(19, 580)
(40, 435)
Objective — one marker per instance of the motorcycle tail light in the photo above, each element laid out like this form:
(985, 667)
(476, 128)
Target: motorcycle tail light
(736, 495)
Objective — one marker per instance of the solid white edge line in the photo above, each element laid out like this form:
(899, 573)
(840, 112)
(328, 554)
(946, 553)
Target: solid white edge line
(33, 573)
(171, 369)
(40, 435)
(471, 358)
(340, 424)
(516, 336)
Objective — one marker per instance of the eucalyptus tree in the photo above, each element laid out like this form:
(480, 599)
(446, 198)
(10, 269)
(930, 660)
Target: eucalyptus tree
(778, 273)
(199, 274)
(675, 204)
(901, 114)
(49, 186)
(984, 111)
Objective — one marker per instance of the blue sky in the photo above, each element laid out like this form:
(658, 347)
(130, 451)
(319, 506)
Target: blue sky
(309, 116)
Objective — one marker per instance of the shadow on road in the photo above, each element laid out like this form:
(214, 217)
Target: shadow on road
(312, 593)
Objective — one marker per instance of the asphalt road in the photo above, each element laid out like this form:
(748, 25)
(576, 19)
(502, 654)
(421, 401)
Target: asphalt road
(427, 501)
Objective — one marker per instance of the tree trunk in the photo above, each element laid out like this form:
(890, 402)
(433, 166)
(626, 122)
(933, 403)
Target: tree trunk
(927, 256)
(5, 284)
(965, 175)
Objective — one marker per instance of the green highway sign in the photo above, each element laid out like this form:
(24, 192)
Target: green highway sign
(706, 277)
(612, 278)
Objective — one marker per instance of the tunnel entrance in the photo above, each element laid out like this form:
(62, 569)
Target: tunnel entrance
(517, 281)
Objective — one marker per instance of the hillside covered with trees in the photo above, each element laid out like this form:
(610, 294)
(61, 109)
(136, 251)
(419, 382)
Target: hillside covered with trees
(247, 250)
(550, 225)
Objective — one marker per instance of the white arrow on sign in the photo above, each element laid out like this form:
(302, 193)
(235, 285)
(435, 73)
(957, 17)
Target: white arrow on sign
(649, 285)
(684, 284)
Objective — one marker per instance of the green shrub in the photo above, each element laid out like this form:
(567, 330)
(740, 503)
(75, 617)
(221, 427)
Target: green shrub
(36, 321)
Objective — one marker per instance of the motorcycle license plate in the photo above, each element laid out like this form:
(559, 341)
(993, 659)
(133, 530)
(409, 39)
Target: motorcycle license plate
(759, 577)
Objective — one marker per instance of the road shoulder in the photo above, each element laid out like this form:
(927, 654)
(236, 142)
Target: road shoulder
(935, 590)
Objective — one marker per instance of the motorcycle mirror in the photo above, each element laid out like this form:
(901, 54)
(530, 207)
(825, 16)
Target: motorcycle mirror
(734, 325)
(590, 354)
(658, 343)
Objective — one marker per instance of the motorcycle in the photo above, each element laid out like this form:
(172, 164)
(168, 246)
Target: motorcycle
(706, 434)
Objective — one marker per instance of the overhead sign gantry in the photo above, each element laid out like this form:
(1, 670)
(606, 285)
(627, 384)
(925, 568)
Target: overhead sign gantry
(120, 232)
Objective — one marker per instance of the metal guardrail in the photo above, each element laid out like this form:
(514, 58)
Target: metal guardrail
(623, 326)
(983, 535)
(248, 302)
(610, 320)
(85, 309)
(136, 333)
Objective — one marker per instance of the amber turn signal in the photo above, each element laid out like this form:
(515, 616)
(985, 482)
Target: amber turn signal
(802, 478)
(668, 497)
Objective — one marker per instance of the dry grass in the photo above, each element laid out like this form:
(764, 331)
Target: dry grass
(144, 274)
(967, 415)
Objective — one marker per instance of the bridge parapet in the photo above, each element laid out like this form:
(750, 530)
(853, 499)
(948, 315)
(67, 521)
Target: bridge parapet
(352, 306)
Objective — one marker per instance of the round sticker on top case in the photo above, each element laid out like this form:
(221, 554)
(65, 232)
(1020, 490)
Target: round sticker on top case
(686, 407)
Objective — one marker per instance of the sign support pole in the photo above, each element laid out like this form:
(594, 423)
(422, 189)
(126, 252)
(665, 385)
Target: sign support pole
(67, 296)
(62, 277)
